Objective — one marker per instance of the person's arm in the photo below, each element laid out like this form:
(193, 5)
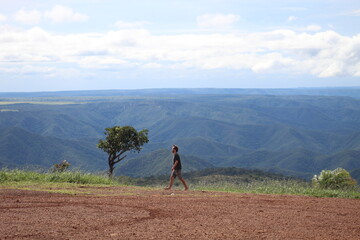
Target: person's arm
(175, 164)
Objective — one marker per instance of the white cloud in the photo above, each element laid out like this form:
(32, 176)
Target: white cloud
(123, 24)
(313, 28)
(355, 13)
(322, 54)
(28, 17)
(60, 14)
(217, 20)
(292, 18)
(3, 18)
(152, 65)
(29, 69)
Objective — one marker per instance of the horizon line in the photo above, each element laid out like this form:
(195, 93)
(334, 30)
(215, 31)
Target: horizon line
(181, 88)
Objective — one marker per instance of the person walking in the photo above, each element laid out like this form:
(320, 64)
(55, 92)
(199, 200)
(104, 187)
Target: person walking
(176, 169)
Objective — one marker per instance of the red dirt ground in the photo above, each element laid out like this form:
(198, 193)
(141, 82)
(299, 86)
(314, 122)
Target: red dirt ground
(137, 213)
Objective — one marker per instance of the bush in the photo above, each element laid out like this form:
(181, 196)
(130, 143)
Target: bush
(336, 179)
(61, 167)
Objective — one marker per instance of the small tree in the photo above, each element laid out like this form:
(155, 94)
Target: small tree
(120, 140)
(61, 167)
(337, 179)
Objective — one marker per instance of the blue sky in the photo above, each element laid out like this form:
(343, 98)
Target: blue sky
(107, 44)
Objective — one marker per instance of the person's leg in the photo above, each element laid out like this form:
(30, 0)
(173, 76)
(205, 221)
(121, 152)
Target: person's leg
(171, 183)
(184, 183)
(182, 180)
(172, 177)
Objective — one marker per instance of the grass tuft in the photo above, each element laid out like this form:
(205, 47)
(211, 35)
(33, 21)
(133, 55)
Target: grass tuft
(284, 187)
(77, 177)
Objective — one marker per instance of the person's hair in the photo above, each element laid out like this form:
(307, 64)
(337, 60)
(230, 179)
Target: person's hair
(175, 147)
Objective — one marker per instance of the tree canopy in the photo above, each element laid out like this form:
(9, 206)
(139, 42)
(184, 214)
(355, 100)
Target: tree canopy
(119, 140)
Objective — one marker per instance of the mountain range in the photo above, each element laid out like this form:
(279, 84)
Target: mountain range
(295, 134)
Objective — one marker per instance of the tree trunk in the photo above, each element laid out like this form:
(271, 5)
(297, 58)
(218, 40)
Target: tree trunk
(111, 166)
(111, 169)
(112, 160)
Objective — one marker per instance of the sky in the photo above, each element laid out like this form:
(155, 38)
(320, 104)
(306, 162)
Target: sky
(114, 44)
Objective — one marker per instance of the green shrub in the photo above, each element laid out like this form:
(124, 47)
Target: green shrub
(61, 167)
(54, 177)
(336, 179)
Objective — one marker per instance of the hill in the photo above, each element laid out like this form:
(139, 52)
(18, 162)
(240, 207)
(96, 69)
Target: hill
(218, 177)
(356, 174)
(158, 162)
(22, 149)
(291, 134)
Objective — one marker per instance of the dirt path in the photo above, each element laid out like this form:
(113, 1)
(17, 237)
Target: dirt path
(135, 213)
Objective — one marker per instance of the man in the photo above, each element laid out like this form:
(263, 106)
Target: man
(176, 169)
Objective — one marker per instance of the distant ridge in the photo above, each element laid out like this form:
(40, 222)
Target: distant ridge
(293, 135)
(22, 149)
(322, 91)
(220, 175)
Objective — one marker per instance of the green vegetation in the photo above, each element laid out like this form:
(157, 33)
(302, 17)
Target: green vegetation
(246, 181)
(283, 187)
(250, 182)
(61, 167)
(11, 176)
(120, 140)
(336, 179)
(286, 187)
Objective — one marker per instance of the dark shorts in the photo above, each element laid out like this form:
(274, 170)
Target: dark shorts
(176, 173)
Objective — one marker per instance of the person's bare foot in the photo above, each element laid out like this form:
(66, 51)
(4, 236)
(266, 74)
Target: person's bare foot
(186, 189)
(167, 188)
